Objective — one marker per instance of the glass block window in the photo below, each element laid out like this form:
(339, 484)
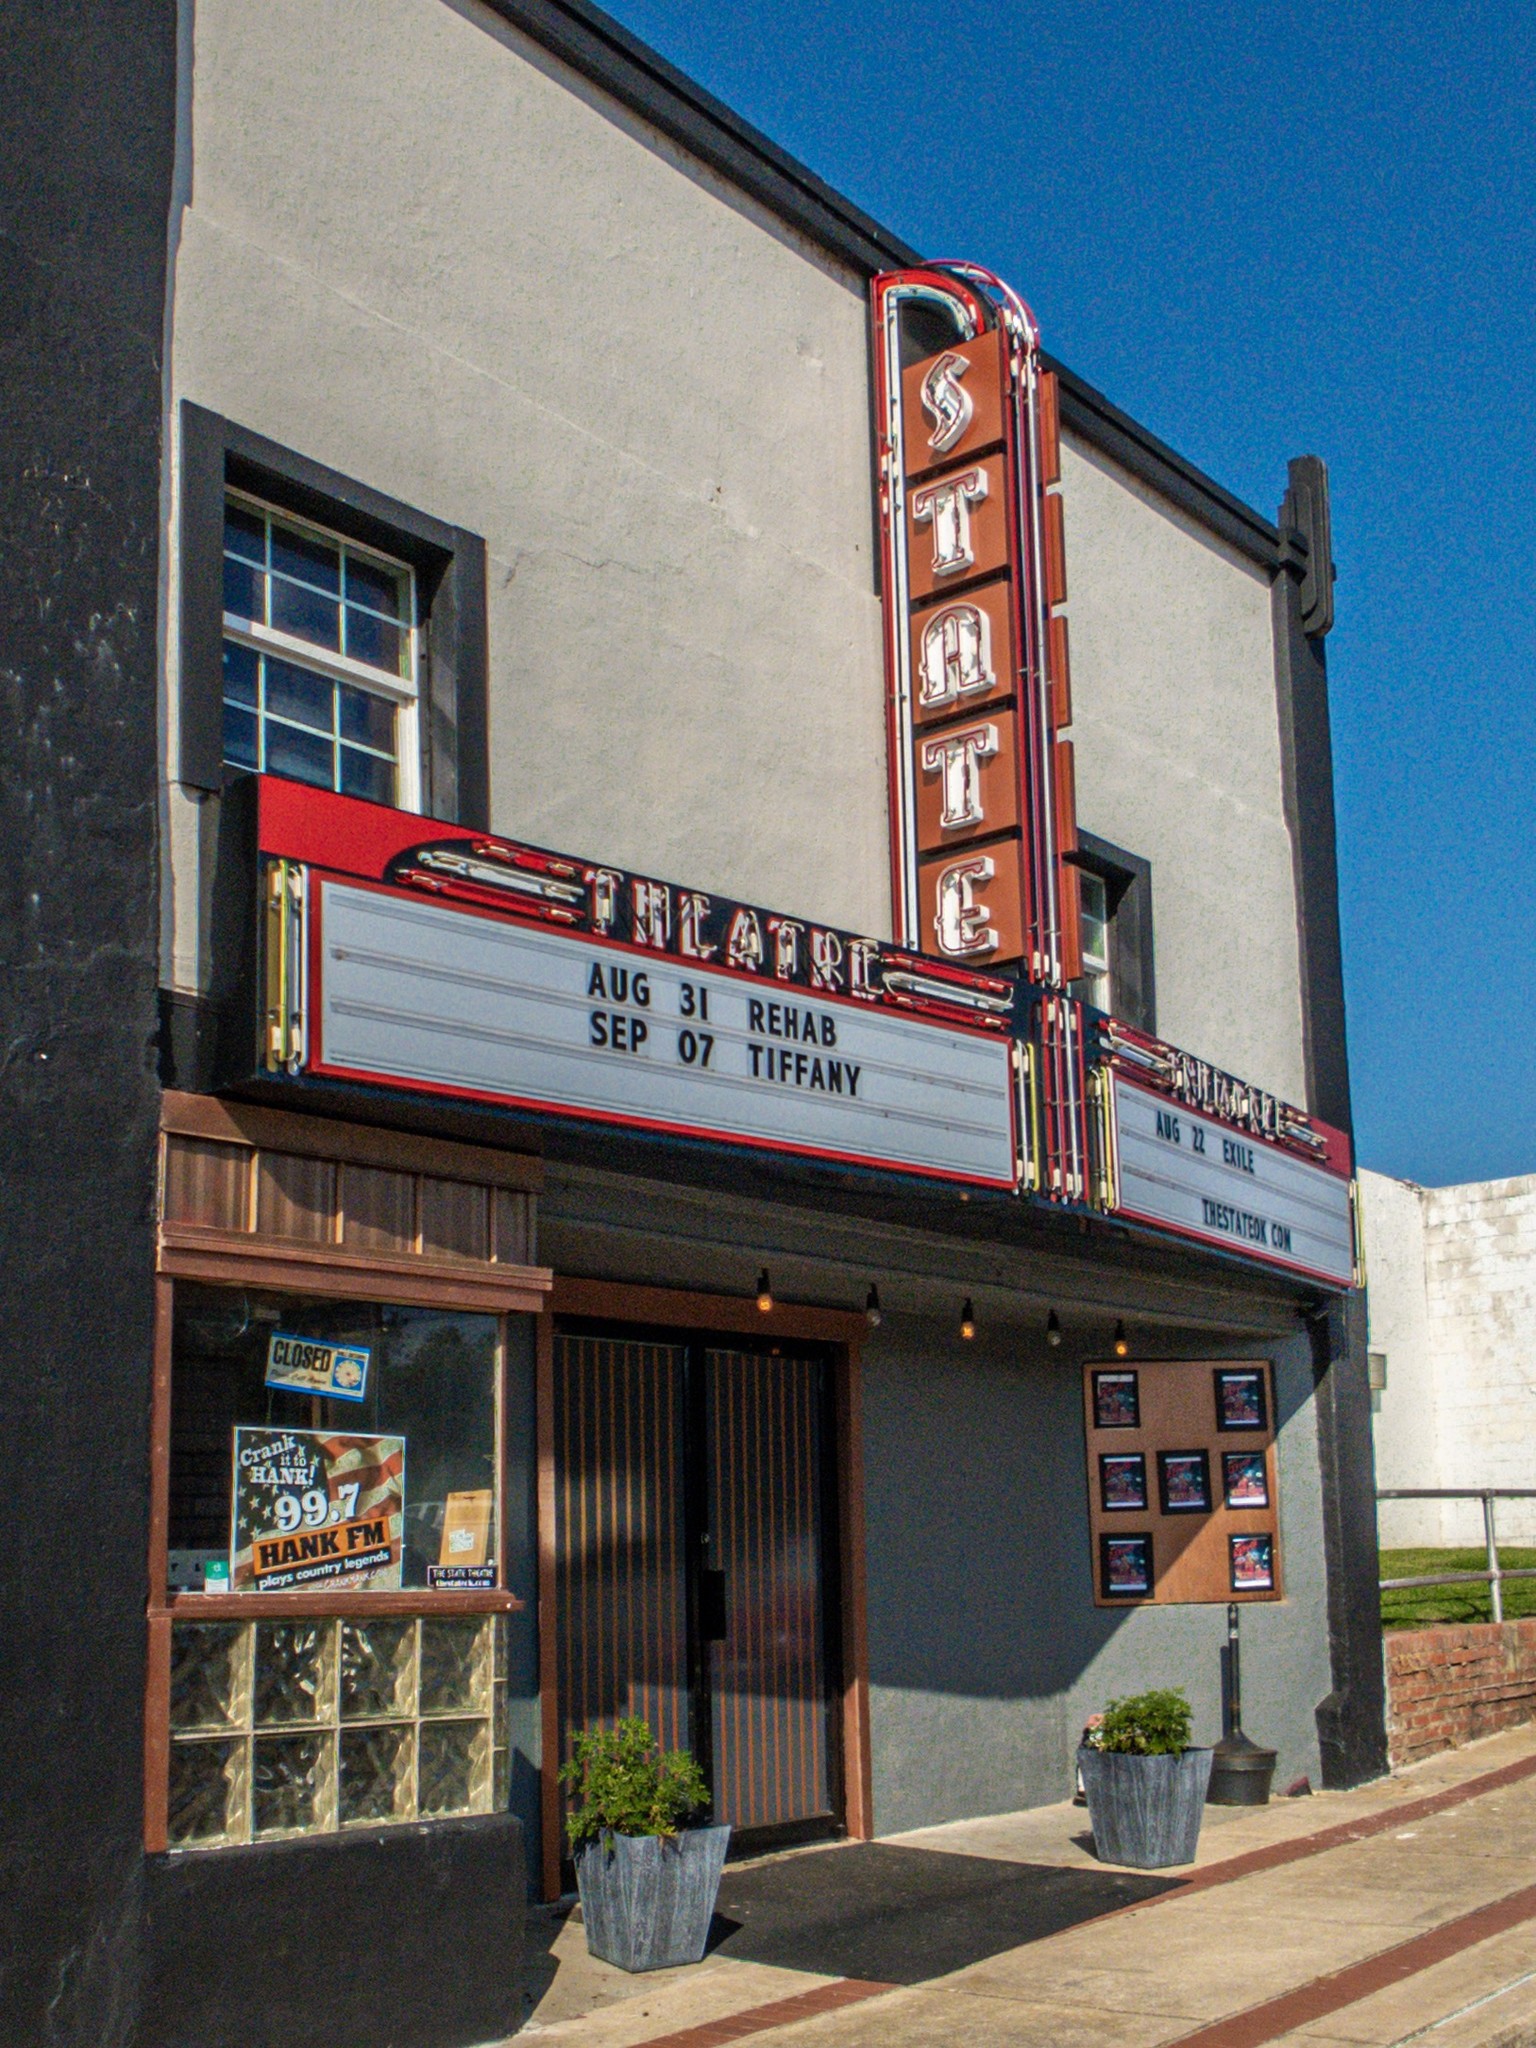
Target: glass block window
(320, 657)
(312, 1726)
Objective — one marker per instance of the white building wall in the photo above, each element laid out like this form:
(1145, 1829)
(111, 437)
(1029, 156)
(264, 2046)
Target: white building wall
(1452, 1280)
(1406, 1422)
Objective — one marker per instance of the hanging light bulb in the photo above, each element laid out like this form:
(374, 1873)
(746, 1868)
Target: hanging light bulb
(967, 1320)
(764, 1291)
(872, 1308)
(1053, 1329)
(1122, 1342)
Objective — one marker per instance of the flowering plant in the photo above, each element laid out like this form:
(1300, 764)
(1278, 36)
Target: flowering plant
(1154, 1723)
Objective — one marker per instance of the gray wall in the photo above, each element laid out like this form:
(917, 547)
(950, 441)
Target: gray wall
(428, 258)
(986, 1651)
(1178, 760)
(987, 1654)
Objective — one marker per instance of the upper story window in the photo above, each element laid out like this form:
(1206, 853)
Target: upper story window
(320, 657)
(1094, 986)
(1115, 892)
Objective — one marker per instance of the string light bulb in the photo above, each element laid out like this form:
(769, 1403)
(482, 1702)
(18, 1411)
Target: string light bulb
(1053, 1329)
(764, 1291)
(1122, 1342)
(872, 1308)
(968, 1321)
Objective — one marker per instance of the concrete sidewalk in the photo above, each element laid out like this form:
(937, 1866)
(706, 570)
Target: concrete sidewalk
(1405, 1911)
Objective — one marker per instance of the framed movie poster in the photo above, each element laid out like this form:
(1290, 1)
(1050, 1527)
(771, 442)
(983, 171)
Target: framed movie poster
(1184, 1482)
(1125, 1567)
(1122, 1482)
(312, 1509)
(1240, 1402)
(1116, 1400)
(1244, 1479)
(1253, 1563)
(1181, 1480)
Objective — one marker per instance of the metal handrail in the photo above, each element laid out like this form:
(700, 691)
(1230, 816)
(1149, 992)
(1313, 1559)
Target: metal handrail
(1495, 1576)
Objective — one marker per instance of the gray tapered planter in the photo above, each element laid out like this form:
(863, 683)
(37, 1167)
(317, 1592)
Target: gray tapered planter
(647, 1900)
(1145, 1810)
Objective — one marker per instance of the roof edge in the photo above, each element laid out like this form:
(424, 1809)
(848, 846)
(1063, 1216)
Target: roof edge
(601, 50)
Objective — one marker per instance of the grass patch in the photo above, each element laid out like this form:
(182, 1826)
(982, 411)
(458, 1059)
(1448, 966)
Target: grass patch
(1424, 1606)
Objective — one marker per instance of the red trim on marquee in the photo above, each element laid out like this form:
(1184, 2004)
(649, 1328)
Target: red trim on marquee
(316, 1063)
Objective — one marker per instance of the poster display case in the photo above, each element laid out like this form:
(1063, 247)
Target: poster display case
(1187, 1451)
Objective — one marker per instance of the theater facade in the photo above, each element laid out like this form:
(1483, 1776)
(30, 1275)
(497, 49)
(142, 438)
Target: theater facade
(702, 1066)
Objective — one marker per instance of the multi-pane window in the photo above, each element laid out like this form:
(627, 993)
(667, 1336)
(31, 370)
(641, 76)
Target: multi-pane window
(304, 1431)
(310, 1725)
(320, 657)
(1094, 985)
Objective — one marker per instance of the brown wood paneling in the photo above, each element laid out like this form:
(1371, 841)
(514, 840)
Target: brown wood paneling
(157, 1735)
(549, 1640)
(222, 1259)
(378, 1209)
(1050, 428)
(207, 1183)
(512, 1227)
(768, 1675)
(251, 1606)
(279, 1130)
(620, 1565)
(1060, 645)
(680, 1310)
(857, 1763)
(1053, 520)
(295, 1197)
(1178, 1413)
(453, 1218)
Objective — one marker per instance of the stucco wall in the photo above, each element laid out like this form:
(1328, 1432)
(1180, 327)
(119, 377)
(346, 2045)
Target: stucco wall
(1406, 1424)
(422, 255)
(1452, 1274)
(1178, 760)
(458, 274)
(987, 1654)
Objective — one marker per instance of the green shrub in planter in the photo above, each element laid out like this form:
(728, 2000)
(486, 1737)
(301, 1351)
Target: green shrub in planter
(647, 1880)
(1147, 1724)
(1145, 1785)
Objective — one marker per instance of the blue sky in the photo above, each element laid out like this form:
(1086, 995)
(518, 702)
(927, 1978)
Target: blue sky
(1269, 231)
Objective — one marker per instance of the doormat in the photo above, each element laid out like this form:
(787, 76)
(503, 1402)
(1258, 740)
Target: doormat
(900, 1916)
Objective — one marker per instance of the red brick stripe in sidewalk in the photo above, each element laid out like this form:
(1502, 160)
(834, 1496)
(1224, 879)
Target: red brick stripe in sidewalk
(1276, 1854)
(1374, 1974)
(783, 2012)
(1314, 2001)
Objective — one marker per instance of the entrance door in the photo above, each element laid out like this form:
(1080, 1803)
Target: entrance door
(693, 1535)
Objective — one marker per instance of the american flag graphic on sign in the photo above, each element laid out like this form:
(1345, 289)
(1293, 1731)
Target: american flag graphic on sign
(316, 1510)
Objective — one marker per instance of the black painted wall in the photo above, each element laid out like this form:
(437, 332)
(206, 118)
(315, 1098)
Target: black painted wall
(87, 121)
(1352, 1720)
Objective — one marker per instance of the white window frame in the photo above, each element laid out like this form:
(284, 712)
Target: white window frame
(402, 691)
(1098, 972)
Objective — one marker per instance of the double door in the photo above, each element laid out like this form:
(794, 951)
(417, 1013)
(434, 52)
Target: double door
(695, 1548)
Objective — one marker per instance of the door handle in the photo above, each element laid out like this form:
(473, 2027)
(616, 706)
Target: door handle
(712, 1621)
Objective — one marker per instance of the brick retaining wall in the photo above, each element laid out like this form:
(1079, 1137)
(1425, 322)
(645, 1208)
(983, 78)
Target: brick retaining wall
(1446, 1686)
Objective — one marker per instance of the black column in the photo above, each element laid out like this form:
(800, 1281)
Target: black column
(87, 128)
(1351, 1720)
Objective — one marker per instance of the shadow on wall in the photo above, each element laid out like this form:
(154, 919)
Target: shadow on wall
(986, 1648)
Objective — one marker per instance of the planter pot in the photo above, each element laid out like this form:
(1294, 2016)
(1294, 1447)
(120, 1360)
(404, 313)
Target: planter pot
(1145, 1810)
(647, 1900)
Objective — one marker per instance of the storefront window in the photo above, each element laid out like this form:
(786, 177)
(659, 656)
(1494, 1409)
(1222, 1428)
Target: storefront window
(331, 1452)
(404, 1434)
